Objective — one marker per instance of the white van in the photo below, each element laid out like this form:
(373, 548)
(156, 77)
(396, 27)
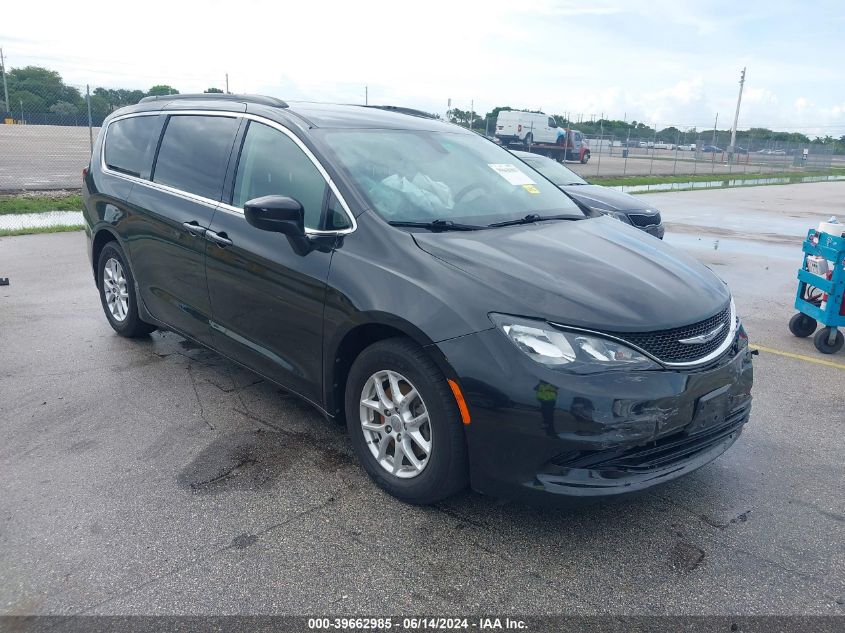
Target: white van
(527, 128)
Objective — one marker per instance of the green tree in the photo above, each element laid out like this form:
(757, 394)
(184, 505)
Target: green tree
(162, 89)
(45, 84)
(461, 117)
(26, 100)
(669, 134)
(100, 107)
(65, 108)
(214, 90)
(119, 97)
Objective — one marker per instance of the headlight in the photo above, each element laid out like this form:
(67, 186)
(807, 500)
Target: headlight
(572, 351)
(612, 214)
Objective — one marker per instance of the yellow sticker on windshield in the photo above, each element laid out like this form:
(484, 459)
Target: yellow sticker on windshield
(530, 188)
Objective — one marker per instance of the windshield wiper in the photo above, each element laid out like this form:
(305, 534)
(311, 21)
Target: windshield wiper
(535, 217)
(438, 225)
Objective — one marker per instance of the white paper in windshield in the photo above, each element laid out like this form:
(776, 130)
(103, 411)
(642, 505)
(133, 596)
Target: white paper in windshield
(511, 173)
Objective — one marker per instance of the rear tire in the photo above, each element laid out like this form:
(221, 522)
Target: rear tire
(117, 293)
(423, 477)
(821, 341)
(529, 139)
(802, 325)
(585, 158)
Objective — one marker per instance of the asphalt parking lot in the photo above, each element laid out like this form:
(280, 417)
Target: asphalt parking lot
(153, 477)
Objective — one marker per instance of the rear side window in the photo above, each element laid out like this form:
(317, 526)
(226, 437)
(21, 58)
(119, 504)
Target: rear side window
(272, 164)
(130, 144)
(194, 153)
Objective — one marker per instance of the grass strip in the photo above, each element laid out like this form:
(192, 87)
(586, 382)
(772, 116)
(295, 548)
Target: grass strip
(59, 228)
(618, 181)
(10, 205)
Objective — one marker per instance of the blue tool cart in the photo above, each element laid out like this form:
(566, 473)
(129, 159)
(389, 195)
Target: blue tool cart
(820, 297)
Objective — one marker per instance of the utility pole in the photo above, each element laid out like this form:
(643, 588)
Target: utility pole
(227, 83)
(471, 108)
(736, 116)
(714, 129)
(5, 89)
(366, 95)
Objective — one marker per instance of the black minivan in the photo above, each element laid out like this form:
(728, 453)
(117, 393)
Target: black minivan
(456, 309)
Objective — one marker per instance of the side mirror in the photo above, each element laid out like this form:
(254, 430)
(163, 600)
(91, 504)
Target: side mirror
(276, 213)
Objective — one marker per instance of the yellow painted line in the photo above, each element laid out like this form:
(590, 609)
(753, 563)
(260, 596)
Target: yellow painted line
(809, 359)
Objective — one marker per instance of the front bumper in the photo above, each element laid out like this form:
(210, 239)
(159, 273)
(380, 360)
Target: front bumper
(545, 433)
(657, 230)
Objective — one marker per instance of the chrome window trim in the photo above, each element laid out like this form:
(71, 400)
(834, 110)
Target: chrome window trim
(729, 339)
(217, 203)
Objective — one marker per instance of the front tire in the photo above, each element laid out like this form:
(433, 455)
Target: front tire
(117, 293)
(412, 446)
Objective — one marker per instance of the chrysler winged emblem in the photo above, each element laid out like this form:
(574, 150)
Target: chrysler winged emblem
(702, 338)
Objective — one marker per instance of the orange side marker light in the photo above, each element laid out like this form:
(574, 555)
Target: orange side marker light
(459, 398)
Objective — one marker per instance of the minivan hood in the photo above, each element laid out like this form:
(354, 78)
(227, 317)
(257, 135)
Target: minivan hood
(596, 273)
(605, 198)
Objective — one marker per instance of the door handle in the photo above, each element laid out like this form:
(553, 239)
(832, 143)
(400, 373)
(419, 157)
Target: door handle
(193, 228)
(221, 239)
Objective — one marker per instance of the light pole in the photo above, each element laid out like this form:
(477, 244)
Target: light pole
(21, 102)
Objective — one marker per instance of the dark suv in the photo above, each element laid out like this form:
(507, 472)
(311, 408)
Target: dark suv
(459, 311)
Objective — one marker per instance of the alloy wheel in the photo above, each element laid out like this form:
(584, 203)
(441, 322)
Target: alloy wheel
(396, 424)
(116, 290)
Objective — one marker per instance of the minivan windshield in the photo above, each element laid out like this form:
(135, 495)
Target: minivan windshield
(425, 177)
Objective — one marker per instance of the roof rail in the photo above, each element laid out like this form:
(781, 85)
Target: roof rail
(217, 96)
(403, 110)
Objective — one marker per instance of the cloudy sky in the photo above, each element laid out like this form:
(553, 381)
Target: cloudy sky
(669, 62)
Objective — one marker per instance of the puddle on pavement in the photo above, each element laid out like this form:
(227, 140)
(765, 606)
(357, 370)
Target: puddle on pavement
(201, 354)
(723, 182)
(244, 460)
(253, 459)
(685, 241)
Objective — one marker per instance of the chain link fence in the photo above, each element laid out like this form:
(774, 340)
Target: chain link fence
(42, 157)
(45, 152)
(703, 153)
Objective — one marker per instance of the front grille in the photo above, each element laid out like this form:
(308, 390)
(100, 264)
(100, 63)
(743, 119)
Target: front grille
(660, 453)
(638, 219)
(665, 345)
